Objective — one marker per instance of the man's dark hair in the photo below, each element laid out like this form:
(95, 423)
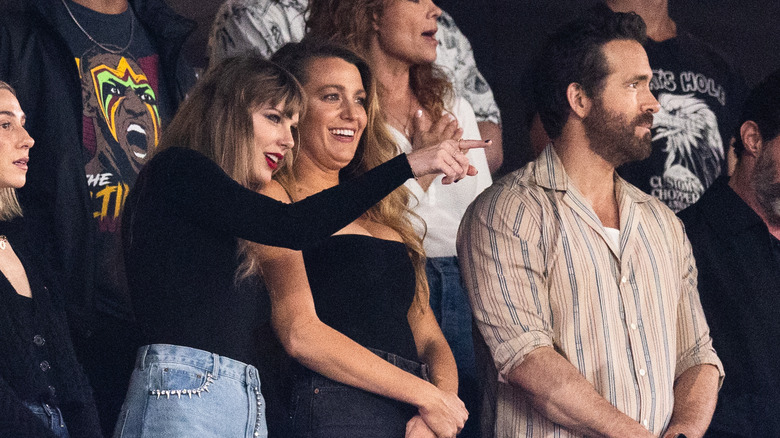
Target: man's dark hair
(762, 107)
(574, 54)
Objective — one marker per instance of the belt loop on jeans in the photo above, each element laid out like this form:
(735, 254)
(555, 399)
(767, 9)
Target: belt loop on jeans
(141, 361)
(425, 372)
(215, 368)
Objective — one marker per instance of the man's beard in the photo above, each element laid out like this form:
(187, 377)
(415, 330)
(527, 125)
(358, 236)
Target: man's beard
(766, 186)
(613, 137)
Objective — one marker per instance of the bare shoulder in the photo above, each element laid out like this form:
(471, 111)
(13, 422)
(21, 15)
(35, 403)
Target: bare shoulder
(275, 190)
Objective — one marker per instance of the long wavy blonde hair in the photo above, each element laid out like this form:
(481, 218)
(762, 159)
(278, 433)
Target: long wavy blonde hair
(374, 148)
(350, 23)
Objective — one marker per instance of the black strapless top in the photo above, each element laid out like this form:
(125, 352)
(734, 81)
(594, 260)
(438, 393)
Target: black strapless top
(363, 287)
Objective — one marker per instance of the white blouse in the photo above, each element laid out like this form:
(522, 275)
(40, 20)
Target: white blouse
(442, 206)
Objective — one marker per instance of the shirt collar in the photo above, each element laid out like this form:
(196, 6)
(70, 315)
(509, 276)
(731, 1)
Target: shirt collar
(550, 174)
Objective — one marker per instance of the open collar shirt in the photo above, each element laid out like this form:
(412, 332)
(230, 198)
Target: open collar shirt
(541, 271)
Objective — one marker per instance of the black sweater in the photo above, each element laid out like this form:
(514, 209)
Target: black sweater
(180, 231)
(62, 381)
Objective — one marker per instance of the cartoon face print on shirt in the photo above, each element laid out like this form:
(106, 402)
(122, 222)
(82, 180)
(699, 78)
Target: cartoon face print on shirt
(123, 106)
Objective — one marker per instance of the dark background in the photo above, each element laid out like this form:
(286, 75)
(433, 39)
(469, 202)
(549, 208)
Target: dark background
(505, 35)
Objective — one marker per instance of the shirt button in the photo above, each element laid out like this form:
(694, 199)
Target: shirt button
(642, 372)
(633, 326)
(39, 340)
(645, 422)
(623, 280)
(45, 366)
(52, 391)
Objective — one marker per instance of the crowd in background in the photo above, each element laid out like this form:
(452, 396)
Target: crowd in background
(370, 218)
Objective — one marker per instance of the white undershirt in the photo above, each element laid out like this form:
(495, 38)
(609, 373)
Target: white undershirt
(613, 234)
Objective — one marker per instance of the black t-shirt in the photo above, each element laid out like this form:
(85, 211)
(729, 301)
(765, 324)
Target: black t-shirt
(739, 287)
(121, 125)
(180, 231)
(701, 98)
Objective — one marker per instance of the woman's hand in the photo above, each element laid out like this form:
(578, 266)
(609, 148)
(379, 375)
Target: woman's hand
(445, 414)
(416, 428)
(446, 128)
(447, 157)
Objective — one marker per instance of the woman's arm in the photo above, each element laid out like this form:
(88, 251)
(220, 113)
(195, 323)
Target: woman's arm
(195, 187)
(433, 350)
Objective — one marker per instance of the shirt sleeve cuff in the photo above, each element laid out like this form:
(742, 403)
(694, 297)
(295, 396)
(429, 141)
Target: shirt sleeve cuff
(703, 357)
(512, 353)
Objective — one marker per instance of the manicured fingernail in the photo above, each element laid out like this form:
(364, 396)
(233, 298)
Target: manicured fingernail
(418, 113)
(488, 141)
(451, 117)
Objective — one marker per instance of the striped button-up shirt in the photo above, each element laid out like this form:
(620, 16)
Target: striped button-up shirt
(541, 271)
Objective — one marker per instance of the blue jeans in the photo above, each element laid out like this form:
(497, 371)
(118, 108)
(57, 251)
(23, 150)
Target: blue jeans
(324, 408)
(51, 417)
(184, 392)
(450, 303)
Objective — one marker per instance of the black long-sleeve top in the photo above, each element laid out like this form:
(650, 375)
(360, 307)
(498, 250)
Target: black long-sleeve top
(37, 361)
(180, 232)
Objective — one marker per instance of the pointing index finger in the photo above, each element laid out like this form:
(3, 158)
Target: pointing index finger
(473, 144)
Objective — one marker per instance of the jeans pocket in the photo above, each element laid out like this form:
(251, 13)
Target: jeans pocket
(179, 380)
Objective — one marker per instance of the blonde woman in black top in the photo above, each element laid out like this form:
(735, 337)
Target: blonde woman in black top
(357, 314)
(191, 206)
(43, 391)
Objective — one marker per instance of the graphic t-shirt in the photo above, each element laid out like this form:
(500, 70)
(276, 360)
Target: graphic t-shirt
(701, 97)
(121, 124)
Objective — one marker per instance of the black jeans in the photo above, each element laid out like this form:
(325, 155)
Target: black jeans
(324, 408)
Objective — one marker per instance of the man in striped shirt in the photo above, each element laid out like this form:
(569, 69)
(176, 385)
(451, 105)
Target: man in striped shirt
(583, 287)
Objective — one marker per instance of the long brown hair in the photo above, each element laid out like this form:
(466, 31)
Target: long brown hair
(216, 118)
(350, 22)
(375, 146)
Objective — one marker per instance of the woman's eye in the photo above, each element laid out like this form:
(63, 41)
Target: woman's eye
(331, 97)
(361, 101)
(273, 117)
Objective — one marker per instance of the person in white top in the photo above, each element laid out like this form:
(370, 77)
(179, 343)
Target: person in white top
(398, 38)
(264, 26)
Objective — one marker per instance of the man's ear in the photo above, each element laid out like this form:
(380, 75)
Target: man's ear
(751, 138)
(579, 102)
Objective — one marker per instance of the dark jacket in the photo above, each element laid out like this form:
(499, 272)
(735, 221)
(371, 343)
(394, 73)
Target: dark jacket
(62, 383)
(739, 285)
(36, 61)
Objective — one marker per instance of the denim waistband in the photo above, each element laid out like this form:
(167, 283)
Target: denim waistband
(212, 362)
(443, 264)
(410, 366)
